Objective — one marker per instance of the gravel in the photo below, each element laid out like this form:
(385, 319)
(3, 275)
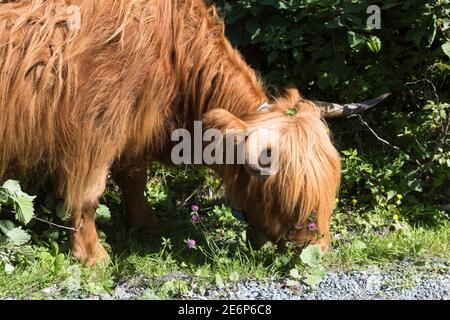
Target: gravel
(342, 286)
(370, 284)
(402, 283)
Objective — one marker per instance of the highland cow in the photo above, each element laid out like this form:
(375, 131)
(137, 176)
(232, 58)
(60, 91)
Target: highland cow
(80, 101)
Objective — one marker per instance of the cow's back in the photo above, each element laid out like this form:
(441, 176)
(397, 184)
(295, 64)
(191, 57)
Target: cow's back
(66, 88)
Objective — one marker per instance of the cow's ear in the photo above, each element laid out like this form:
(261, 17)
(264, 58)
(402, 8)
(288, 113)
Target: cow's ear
(223, 120)
(292, 93)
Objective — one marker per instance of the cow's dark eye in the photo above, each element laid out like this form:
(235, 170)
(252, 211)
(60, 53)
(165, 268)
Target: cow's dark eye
(265, 157)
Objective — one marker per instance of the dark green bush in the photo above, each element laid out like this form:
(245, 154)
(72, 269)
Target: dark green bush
(325, 47)
(327, 50)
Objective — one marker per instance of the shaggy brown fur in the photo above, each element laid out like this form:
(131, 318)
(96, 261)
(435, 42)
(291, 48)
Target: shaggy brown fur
(76, 103)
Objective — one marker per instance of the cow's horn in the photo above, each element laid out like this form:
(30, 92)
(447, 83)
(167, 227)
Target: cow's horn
(334, 110)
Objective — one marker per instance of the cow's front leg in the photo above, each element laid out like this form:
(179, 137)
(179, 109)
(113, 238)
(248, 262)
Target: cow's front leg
(323, 228)
(132, 181)
(84, 239)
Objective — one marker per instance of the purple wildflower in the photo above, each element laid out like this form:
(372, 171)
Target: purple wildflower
(312, 227)
(298, 226)
(195, 218)
(191, 243)
(195, 208)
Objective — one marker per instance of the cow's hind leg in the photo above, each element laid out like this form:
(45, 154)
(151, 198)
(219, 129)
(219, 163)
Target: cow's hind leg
(84, 240)
(132, 181)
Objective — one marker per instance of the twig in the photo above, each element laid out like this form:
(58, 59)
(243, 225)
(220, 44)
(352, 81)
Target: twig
(420, 146)
(51, 223)
(374, 133)
(61, 226)
(429, 82)
(188, 198)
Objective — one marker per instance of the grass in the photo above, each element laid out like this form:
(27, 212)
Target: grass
(221, 255)
(418, 244)
(141, 258)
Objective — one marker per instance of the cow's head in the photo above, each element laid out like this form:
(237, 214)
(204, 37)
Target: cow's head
(289, 192)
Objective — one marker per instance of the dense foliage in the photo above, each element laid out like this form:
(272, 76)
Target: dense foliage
(327, 49)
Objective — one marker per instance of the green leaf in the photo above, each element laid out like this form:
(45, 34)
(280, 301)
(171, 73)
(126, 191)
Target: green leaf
(390, 194)
(103, 214)
(12, 186)
(313, 279)
(59, 263)
(432, 36)
(415, 185)
(374, 44)
(6, 225)
(312, 255)
(315, 276)
(18, 236)
(294, 274)
(291, 111)
(168, 286)
(445, 24)
(219, 281)
(355, 39)
(234, 276)
(28, 252)
(359, 245)
(23, 203)
(446, 48)
(9, 268)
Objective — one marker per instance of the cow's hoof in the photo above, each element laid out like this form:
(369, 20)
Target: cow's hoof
(94, 256)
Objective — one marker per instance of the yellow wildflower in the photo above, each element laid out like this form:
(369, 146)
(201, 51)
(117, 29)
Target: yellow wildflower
(354, 201)
(399, 196)
(396, 217)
